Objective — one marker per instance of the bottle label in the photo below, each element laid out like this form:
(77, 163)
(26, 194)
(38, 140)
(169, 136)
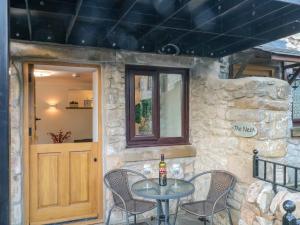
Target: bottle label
(162, 176)
(162, 170)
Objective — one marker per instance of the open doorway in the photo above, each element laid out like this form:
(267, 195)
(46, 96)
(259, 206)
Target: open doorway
(64, 153)
(64, 99)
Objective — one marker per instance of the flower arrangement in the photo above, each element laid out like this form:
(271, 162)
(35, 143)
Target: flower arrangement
(59, 137)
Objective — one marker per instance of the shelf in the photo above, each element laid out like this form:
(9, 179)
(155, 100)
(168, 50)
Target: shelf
(79, 107)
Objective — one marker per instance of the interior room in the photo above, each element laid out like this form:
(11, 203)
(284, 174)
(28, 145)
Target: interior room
(63, 102)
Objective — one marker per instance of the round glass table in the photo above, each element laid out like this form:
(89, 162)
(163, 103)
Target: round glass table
(175, 189)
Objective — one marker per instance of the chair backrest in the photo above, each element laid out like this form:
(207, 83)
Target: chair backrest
(117, 181)
(221, 181)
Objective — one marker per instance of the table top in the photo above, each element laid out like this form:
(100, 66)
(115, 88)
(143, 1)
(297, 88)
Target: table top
(174, 189)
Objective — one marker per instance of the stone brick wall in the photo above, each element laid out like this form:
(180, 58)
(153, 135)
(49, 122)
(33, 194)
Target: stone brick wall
(214, 104)
(16, 134)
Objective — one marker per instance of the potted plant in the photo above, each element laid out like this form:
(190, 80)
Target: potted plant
(60, 137)
(73, 104)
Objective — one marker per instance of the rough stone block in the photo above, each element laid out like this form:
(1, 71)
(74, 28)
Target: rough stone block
(253, 191)
(246, 115)
(264, 198)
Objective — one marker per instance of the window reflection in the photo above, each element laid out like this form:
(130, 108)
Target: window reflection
(170, 104)
(143, 105)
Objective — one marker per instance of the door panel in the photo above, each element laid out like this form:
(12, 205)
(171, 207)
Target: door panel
(48, 177)
(63, 182)
(79, 176)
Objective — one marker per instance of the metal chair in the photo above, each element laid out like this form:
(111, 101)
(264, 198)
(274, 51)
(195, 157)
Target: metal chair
(221, 183)
(117, 182)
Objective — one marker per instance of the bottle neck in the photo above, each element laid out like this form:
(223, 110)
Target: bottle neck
(162, 158)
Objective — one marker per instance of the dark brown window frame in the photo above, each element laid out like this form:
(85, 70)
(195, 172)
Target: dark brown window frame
(296, 122)
(155, 140)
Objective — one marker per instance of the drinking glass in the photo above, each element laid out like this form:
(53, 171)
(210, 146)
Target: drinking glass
(176, 171)
(147, 173)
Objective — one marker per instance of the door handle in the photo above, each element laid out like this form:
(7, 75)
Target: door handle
(95, 159)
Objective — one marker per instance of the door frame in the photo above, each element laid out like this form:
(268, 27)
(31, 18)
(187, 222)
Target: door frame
(26, 140)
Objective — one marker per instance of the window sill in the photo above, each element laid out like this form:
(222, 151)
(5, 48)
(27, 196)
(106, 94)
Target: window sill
(295, 131)
(153, 153)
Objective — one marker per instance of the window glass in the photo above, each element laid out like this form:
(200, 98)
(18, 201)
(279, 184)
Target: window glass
(296, 103)
(170, 104)
(143, 105)
(157, 106)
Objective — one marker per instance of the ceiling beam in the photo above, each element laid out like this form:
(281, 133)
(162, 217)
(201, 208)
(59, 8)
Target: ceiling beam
(263, 10)
(294, 2)
(212, 18)
(292, 27)
(73, 20)
(4, 113)
(288, 21)
(166, 19)
(28, 20)
(96, 20)
(126, 9)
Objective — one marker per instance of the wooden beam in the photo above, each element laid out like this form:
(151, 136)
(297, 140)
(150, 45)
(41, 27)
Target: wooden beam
(292, 65)
(286, 58)
(28, 19)
(243, 66)
(282, 68)
(73, 20)
(4, 112)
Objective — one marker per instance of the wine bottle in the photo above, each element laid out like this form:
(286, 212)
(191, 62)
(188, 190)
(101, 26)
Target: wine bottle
(162, 171)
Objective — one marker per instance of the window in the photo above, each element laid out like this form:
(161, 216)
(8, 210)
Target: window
(157, 106)
(296, 103)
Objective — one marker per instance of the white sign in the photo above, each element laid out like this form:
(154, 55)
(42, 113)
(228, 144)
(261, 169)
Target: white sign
(244, 129)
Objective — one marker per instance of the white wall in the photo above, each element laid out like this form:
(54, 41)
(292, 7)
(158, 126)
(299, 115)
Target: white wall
(54, 90)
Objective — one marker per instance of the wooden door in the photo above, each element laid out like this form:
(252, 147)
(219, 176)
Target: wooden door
(63, 182)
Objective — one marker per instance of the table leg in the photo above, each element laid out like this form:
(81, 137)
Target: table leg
(159, 211)
(167, 214)
(163, 215)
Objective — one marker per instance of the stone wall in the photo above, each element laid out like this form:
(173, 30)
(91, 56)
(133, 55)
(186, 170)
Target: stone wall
(214, 105)
(261, 206)
(16, 139)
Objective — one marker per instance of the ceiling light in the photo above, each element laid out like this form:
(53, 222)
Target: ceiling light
(42, 73)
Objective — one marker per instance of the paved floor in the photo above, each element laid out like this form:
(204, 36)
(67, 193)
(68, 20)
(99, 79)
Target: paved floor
(181, 220)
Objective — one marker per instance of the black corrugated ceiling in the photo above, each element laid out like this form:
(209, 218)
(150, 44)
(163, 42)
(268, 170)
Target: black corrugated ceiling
(210, 28)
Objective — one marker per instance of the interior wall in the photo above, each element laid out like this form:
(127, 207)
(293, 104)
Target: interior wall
(54, 91)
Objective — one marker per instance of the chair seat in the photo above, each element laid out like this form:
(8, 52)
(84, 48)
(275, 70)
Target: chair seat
(202, 208)
(136, 206)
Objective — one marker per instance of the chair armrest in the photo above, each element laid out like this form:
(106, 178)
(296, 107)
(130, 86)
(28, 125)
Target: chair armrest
(137, 173)
(198, 175)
